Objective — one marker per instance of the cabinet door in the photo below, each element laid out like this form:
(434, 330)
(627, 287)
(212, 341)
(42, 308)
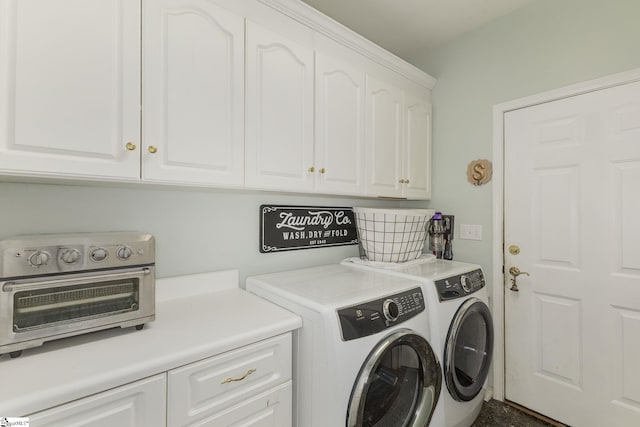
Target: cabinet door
(70, 87)
(384, 139)
(202, 390)
(279, 120)
(339, 142)
(139, 404)
(193, 97)
(417, 153)
(270, 409)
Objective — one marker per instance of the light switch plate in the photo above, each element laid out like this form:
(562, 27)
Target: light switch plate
(470, 232)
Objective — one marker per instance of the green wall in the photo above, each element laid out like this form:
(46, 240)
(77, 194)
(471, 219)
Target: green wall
(549, 44)
(544, 46)
(196, 230)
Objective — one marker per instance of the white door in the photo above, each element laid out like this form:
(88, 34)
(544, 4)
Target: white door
(339, 142)
(417, 152)
(193, 93)
(572, 197)
(70, 87)
(279, 119)
(384, 139)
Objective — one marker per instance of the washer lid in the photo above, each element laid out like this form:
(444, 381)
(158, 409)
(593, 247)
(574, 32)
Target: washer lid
(329, 287)
(426, 270)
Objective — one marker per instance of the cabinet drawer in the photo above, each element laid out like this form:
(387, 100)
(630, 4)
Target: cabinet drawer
(271, 408)
(139, 404)
(204, 388)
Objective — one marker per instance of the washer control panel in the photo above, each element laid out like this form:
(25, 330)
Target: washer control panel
(371, 317)
(460, 286)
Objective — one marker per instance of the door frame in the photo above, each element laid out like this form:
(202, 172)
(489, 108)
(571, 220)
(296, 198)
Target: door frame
(498, 288)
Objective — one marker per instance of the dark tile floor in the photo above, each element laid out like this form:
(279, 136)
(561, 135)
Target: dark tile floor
(499, 414)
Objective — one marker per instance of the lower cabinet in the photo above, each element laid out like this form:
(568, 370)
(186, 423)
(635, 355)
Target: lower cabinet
(238, 385)
(248, 386)
(271, 408)
(139, 404)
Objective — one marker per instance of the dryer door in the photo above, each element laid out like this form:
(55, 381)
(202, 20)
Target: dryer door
(398, 385)
(468, 350)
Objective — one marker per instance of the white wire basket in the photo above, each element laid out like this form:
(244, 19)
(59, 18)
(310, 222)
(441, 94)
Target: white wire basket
(391, 235)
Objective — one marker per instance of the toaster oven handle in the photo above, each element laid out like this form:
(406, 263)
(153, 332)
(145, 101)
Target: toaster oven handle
(75, 279)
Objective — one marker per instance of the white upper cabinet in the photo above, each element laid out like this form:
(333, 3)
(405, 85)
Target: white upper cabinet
(70, 88)
(215, 93)
(398, 142)
(384, 139)
(193, 93)
(339, 127)
(279, 112)
(417, 153)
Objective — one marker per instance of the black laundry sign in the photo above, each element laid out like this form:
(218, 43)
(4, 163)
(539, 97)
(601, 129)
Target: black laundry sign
(286, 228)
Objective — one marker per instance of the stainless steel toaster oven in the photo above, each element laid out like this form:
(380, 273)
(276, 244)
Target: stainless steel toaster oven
(56, 286)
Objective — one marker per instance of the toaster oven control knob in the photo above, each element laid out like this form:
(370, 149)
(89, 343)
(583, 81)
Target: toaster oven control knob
(39, 258)
(391, 310)
(99, 254)
(124, 252)
(70, 256)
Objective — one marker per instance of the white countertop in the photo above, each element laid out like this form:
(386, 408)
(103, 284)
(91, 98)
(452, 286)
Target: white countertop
(197, 317)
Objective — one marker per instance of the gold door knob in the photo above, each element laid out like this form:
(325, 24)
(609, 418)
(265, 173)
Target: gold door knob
(312, 169)
(406, 181)
(401, 181)
(515, 272)
(130, 146)
(322, 170)
(153, 149)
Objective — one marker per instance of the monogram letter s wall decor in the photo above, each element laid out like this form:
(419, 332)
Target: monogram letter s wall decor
(479, 172)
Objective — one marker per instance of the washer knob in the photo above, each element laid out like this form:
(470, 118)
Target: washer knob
(466, 283)
(124, 252)
(70, 256)
(39, 259)
(99, 254)
(391, 310)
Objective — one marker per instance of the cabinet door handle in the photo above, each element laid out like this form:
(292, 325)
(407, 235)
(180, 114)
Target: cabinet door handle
(311, 169)
(153, 149)
(322, 170)
(401, 181)
(130, 146)
(406, 181)
(230, 380)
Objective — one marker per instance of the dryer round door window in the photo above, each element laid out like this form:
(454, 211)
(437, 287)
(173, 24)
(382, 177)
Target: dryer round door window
(398, 385)
(468, 350)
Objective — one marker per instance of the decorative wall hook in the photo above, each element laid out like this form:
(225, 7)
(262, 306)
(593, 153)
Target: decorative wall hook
(479, 172)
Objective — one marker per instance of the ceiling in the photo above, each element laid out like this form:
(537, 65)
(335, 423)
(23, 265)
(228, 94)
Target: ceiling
(407, 27)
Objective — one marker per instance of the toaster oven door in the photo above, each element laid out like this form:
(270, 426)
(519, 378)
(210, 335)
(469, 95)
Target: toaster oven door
(39, 309)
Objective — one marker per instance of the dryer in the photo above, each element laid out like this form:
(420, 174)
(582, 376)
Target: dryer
(461, 325)
(363, 356)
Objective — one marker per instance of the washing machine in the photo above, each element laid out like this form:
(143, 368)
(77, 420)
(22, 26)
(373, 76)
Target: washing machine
(461, 327)
(362, 357)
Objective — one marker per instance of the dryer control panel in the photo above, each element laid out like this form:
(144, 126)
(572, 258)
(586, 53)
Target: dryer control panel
(371, 317)
(460, 286)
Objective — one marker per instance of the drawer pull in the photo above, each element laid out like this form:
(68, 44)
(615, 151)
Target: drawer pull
(230, 380)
